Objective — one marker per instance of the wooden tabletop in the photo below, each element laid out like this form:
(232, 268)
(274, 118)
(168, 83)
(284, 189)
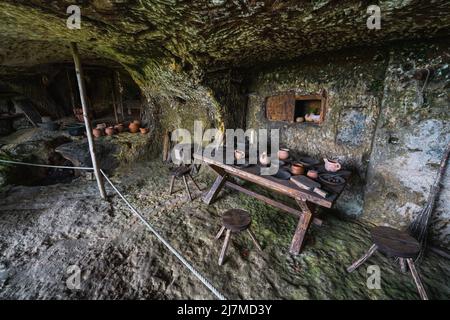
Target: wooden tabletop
(286, 187)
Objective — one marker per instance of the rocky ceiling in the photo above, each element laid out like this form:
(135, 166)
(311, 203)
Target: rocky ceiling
(206, 34)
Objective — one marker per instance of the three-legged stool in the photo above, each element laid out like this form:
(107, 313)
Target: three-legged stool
(398, 244)
(182, 172)
(235, 221)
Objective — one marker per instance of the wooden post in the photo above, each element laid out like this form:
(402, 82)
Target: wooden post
(87, 122)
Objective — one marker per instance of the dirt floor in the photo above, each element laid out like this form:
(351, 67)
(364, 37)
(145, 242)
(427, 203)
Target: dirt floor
(46, 230)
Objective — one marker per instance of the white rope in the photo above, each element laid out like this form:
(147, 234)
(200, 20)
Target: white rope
(148, 225)
(44, 165)
(167, 244)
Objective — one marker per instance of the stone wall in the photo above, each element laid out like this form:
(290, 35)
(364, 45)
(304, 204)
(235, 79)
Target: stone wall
(376, 123)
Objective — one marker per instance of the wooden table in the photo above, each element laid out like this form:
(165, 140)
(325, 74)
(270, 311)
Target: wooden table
(305, 199)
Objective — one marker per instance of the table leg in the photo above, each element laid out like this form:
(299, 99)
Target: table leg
(303, 225)
(217, 186)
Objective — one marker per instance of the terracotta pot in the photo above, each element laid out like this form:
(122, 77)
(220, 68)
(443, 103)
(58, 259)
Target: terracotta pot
(144, 130)
(297, 169)
(119, 127)
(137, 122)
(97, 132)
(283, 154)
(313, 174)
(134, 127)
(109, 131)
(101, 126)
(332, 165)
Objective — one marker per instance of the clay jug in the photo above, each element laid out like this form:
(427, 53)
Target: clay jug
(332, 165)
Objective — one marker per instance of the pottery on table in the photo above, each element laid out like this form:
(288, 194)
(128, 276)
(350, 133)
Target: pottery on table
(283, 154)
(97, 132)
(297, 169)
(264, 159)
(313, 174)
(134, 127)
(119, 127)
(109, 131)
(239, 154)
(144, 130)
(332, 165)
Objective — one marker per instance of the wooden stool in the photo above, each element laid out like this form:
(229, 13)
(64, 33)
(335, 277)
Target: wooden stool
(235, 221)
(183, 172)
(398, 244)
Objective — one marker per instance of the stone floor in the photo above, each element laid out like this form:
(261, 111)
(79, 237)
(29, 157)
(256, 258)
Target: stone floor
(45, 230)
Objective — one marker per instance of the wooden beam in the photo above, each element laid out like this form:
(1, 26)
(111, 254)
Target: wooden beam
(273, 203)
(87, 122)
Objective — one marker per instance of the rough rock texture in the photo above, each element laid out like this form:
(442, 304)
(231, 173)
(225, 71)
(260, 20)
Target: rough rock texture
(377, 122)
(59, 226)
(36, 145)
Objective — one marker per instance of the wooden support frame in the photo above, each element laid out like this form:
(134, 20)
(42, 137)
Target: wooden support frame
(87, 121)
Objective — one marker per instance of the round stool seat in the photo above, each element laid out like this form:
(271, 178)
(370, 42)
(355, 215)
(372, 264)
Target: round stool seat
(395, 243)
(236, 220)
(180, 171)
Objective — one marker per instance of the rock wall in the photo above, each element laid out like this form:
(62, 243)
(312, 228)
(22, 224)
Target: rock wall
(377, 123)
(412, 132)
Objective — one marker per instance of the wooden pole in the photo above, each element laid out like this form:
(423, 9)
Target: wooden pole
(87, 122)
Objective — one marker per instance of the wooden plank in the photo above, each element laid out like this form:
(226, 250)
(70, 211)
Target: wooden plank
(269, 201)
(215, 189)
(280, 107)
(302, 228)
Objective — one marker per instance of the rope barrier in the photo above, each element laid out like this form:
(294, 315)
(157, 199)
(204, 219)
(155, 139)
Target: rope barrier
(45, 165)
(143, 220)
(167, 244)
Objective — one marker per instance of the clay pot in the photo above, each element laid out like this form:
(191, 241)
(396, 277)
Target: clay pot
(264, 159)
(313, 174)
(119, 127)
(137, 122)
(134, 127)
(144, 130)
(109, 131)
(297, 169)
(283, 154)
(97, 132)
(332, 165)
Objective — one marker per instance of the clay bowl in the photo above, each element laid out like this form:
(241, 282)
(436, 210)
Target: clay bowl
(101, 126)
(297, 169)
(109, 131)
(313, 174)
(283, 154)
(144, 130)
